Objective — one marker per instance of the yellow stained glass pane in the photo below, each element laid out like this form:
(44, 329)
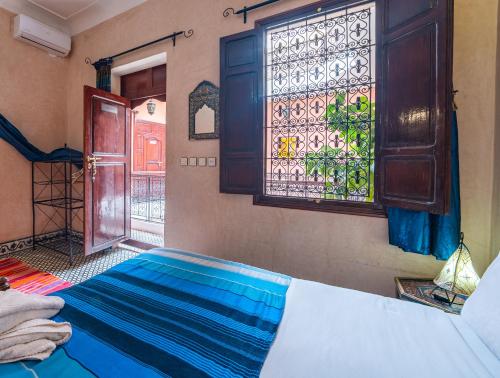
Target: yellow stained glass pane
(288, 147)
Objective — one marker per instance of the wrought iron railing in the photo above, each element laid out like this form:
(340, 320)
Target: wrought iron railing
(148, 197)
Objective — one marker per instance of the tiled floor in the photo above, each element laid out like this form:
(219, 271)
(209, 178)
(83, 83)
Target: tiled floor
(147, 237)
(83, 267)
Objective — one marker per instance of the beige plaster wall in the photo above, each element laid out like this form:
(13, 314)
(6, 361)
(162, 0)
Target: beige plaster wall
(338, 249)
(495, 226)
(475, 77)
(32, 97)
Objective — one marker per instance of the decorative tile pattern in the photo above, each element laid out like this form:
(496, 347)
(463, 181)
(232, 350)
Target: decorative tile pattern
(83, 267)
(24, 243)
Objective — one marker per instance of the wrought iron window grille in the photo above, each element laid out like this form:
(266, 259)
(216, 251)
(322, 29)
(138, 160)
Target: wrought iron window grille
(320, 106)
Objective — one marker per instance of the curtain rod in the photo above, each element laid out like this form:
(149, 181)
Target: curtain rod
(246, 9)
(172, 36)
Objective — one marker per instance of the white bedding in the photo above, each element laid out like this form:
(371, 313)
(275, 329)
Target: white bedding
(328, 331)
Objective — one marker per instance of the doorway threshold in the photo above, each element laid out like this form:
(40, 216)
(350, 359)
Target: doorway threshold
(136, 245)
(154, 238)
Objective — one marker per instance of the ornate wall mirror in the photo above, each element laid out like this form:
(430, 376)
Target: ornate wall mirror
(204, 112)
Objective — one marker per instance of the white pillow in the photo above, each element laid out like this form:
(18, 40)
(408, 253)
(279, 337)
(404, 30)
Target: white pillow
(482, 310)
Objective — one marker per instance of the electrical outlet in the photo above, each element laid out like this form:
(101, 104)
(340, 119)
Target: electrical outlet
(212, 162)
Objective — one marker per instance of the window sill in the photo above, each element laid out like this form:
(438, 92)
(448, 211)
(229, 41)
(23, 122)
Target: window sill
(351, 208)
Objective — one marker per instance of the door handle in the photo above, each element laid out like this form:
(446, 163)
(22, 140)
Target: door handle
(92, 165)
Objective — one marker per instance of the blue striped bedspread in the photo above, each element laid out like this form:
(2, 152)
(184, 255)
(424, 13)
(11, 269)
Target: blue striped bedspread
(167, 313)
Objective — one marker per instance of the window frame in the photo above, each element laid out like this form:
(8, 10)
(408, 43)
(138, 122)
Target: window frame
(373, 209)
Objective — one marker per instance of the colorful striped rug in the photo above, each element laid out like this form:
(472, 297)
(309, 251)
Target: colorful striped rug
(27, 279)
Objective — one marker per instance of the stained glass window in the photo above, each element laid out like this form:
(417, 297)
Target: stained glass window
(320, 106)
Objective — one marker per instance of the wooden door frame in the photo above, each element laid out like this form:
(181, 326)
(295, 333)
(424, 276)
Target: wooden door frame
(151, 92)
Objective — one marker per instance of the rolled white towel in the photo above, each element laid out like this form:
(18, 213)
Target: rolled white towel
(17, 307)
(33, 340)
(36, 329)
(35, 350)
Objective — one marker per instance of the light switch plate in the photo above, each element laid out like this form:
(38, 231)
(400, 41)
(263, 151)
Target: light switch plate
(212, 162)
(202, 162)
(192, 162)
(183, 161)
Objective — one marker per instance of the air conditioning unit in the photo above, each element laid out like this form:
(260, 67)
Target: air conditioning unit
(40, 35)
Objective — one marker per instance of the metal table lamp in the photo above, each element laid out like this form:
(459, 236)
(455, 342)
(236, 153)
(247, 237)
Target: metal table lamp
(457, 276)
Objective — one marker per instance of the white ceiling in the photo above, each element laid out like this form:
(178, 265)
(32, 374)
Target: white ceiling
(63, 9)
(70, 16)
(139, 65)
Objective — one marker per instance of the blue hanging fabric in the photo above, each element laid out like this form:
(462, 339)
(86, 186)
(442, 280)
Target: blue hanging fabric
(103, 74)
(430, 234)
(13, 136)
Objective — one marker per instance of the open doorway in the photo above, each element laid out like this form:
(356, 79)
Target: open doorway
(146, 90)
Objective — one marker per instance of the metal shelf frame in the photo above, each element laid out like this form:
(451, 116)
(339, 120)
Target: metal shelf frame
(55, 186)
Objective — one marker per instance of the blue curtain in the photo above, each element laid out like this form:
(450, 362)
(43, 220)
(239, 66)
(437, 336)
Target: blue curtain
(103, 74)
(13, 136)
(429, 234)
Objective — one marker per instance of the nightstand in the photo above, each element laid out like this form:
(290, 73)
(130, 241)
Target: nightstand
(420, 290)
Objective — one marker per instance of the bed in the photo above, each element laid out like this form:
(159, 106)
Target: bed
(175, 313)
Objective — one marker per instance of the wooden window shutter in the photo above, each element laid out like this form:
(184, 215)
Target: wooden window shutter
(414, 103)
(240, 113)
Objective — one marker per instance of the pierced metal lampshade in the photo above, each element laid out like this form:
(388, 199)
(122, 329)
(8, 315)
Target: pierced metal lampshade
(458, 276)
(151, 107)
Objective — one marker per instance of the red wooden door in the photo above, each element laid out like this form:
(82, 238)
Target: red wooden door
(107, 173)
(148, 146)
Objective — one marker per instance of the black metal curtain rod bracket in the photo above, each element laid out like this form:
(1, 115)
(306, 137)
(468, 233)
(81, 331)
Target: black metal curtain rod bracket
(173, 37)
(245, 9)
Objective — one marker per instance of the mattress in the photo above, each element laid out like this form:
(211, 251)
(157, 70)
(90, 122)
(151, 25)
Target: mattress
(328, 331)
